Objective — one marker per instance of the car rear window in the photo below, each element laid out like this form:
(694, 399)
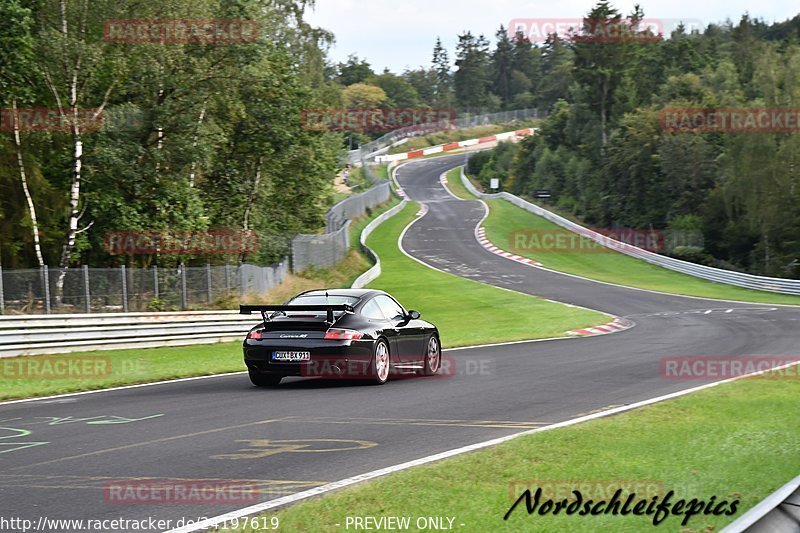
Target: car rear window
(323, 300)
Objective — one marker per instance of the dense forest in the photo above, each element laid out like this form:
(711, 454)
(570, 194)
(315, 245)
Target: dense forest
(195, 134)
(606, 156)
(198, 134)
(186, 134)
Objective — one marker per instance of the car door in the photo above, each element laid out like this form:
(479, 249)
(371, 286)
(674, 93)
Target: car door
(409, 335)
(372, 311)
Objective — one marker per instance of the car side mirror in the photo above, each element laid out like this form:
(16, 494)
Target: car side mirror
(414, 315)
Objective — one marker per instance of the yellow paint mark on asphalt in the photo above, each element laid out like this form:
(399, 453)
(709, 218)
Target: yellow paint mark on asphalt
(265, 486)
(259, 448)
(503, 424)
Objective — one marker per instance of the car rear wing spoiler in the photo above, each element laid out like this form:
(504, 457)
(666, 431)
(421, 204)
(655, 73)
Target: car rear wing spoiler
(264, 309)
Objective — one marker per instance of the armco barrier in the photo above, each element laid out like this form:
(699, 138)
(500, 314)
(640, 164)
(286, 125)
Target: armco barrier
(371, 149)
(739, 279)
(780, 511)
(371, 274)
(439, 148)
(56, 334)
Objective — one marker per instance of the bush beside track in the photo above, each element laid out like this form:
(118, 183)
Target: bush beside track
(613, 267)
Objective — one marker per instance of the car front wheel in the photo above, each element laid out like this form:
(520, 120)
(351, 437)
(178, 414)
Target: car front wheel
(433, 356)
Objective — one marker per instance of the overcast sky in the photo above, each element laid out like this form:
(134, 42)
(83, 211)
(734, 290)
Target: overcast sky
(401, 33)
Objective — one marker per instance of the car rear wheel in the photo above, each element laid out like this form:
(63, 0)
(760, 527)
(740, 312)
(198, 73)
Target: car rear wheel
(264, 380)
(380, 363)
(433, 356)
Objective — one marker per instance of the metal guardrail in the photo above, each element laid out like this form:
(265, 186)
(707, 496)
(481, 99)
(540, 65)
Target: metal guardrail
(777, 513)
(56, 334)
(370, 275)
(369, 149)
(739, 279)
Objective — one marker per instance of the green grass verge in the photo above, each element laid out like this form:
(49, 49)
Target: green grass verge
(734, 441)
(505, 219)
(381, 171)
(456, 186)
(459, 306)
(118, 367)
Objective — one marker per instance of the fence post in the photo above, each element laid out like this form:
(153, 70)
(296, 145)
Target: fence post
(155, 281)
(86, 293)
(124, 289)
(2, 299)
(227, 279)
(241, 280)
(46, 283)
(208, 281)
(184, 300)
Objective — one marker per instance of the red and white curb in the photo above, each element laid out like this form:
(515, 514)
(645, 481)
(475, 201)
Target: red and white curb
(525, 132)
(612, 327)
(480, 234)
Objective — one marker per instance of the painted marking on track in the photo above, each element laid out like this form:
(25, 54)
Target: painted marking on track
(99, 420)
(16, 433)
(489, 424)
(92, 420)
(144, 443)
(259, 448)
(8, 447)
(713, 311)
(272, 487)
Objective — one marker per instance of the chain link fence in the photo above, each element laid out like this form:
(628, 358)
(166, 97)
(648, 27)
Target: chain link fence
(320, 251)
(99, 290)
(357, 205)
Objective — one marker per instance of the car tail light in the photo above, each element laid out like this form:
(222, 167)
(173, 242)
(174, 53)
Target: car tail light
(256, 335)
(334, 334)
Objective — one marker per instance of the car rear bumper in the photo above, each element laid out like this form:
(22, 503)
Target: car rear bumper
(343, 359)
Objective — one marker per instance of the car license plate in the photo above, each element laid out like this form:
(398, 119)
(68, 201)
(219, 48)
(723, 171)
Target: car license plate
(291, 356)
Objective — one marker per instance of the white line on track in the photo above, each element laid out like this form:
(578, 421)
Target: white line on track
(123, 387)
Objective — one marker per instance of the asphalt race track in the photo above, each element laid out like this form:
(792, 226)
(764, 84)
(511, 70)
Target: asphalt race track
(56, 456)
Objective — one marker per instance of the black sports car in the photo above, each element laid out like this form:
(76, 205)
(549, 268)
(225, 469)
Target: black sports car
(339, 333)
